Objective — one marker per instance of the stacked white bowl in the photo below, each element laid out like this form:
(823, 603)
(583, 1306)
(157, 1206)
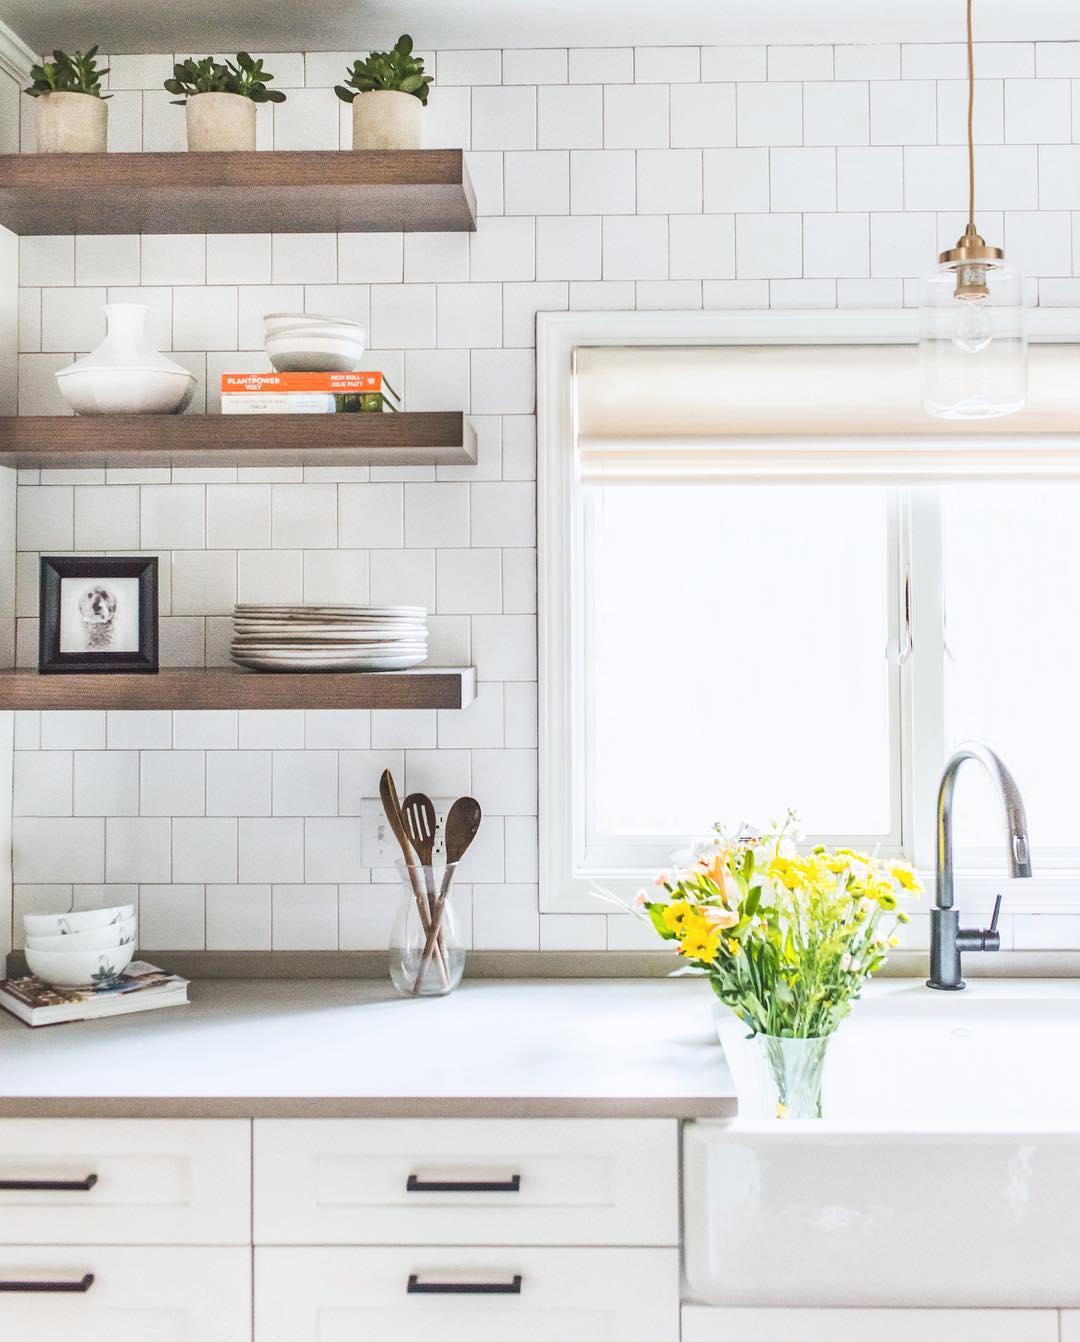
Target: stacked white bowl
(88, 949)
(304, 342)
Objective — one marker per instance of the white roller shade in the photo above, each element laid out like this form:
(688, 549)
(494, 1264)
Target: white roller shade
(809, 412)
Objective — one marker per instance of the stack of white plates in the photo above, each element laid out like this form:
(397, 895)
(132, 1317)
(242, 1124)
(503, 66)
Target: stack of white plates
(329, 638)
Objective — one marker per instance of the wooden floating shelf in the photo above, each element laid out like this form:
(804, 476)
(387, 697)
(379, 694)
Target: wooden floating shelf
(224, 687)
(268, 191)
(427, 438)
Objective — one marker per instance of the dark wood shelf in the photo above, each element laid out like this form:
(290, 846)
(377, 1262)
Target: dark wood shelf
(225, 687)
(429, 438)
(269, 191)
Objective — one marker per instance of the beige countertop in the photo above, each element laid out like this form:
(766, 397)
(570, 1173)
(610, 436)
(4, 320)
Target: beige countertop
(348, 1048)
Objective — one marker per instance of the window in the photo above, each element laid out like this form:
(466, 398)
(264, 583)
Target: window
(718, 649)
(735, 642)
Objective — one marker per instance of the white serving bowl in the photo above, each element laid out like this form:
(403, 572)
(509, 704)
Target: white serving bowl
(79, 969)
(126, 391)
(275, 322)
(96, 939)
(84, 920)
(317, 349)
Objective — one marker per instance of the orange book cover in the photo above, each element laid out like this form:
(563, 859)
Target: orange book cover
(338, 383)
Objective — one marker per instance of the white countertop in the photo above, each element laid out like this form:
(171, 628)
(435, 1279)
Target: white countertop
(342, 1048)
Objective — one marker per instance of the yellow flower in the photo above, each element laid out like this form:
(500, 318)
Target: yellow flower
(700, 945)
(894, 941)
(905, 877)
(786, 871)
(677, 916)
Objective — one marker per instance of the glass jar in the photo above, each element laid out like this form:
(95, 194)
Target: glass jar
(427, 953)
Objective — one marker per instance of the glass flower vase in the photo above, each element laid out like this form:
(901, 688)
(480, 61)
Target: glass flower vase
(792, 1072)
(427, 953)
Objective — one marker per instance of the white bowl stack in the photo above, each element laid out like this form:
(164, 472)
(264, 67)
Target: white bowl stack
(329, 638)
(80, 950)
(304, 342)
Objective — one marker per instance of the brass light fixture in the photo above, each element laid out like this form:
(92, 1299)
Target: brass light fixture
(972, 344)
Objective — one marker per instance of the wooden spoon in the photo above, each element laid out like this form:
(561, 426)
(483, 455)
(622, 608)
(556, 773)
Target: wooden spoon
(462, 823)
(392, 806)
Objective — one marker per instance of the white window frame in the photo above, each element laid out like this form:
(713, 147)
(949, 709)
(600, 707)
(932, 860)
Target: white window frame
(563, 886)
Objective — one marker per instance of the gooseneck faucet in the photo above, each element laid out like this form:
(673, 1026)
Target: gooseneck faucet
(947, 937)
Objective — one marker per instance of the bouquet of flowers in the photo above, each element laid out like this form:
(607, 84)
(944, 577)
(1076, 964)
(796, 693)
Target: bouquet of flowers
(787, 939)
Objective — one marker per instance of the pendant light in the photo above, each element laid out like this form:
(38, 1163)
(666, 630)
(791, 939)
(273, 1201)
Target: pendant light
(972, 342)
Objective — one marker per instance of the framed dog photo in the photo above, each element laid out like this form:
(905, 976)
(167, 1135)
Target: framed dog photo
(98, 614)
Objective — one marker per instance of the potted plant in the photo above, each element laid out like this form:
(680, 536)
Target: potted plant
(787, 939)
(387, 92)
(71, 114)
(221, 100)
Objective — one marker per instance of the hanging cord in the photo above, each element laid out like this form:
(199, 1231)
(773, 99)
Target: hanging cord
(971, 118)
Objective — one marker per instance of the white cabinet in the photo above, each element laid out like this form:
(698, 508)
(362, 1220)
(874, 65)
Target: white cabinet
(1070, 1325)
(706, 1324)
(152, 1295)
(466, 1295)
(110, 1181)
(444, 1181)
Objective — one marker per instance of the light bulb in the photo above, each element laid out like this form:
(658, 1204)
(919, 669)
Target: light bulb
(973, 327)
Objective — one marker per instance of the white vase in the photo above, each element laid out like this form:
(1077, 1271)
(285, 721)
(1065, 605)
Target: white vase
(220, 121)
(386, 119)
(72, 123)
(126, 375)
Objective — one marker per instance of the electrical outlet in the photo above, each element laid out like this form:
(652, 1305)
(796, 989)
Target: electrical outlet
(379, 847)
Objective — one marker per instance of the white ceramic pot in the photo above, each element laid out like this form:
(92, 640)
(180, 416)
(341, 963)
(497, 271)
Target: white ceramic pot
(220, 121)
(72, 123)
(126, 375)
(386, 119)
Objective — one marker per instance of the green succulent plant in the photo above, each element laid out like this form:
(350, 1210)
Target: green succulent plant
(398, 70)
(245, 76)
(68, 74)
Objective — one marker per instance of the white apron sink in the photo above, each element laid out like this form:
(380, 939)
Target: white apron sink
(946, 1173)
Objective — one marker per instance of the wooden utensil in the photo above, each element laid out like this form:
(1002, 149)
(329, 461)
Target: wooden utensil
(420, 825)
(392, 806)
(462, 822)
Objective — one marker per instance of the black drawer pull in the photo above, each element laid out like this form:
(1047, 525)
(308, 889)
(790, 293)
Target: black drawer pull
(418, 1287)
(415, 1184)
(48, 1185)
(79, 1287)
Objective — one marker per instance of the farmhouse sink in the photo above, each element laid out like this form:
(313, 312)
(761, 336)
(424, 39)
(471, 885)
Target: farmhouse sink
(945, 1173)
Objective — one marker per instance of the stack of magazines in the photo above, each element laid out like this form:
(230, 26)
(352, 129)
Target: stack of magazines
(141, 987)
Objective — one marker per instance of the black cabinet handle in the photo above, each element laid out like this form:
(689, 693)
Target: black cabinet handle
(79, 1287)
(48, 1185)
(418, 1287)
(414, 1184)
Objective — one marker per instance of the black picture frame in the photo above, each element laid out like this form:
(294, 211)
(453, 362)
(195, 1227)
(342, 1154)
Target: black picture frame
(53, 571)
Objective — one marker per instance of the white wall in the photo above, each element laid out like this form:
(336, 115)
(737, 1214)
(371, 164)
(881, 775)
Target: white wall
(671, 178)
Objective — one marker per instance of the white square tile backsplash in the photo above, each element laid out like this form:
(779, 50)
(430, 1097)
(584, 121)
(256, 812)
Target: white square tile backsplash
(729, 177)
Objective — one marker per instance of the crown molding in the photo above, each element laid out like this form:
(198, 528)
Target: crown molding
(16, 57)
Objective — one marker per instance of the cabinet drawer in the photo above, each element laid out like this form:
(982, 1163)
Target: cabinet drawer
(152, 1295)
(115, 1181)
(466, 1295)
(444, 1181)
(857, 1325)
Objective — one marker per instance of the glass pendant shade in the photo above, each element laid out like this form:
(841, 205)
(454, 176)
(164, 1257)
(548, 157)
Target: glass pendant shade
(972, 338)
